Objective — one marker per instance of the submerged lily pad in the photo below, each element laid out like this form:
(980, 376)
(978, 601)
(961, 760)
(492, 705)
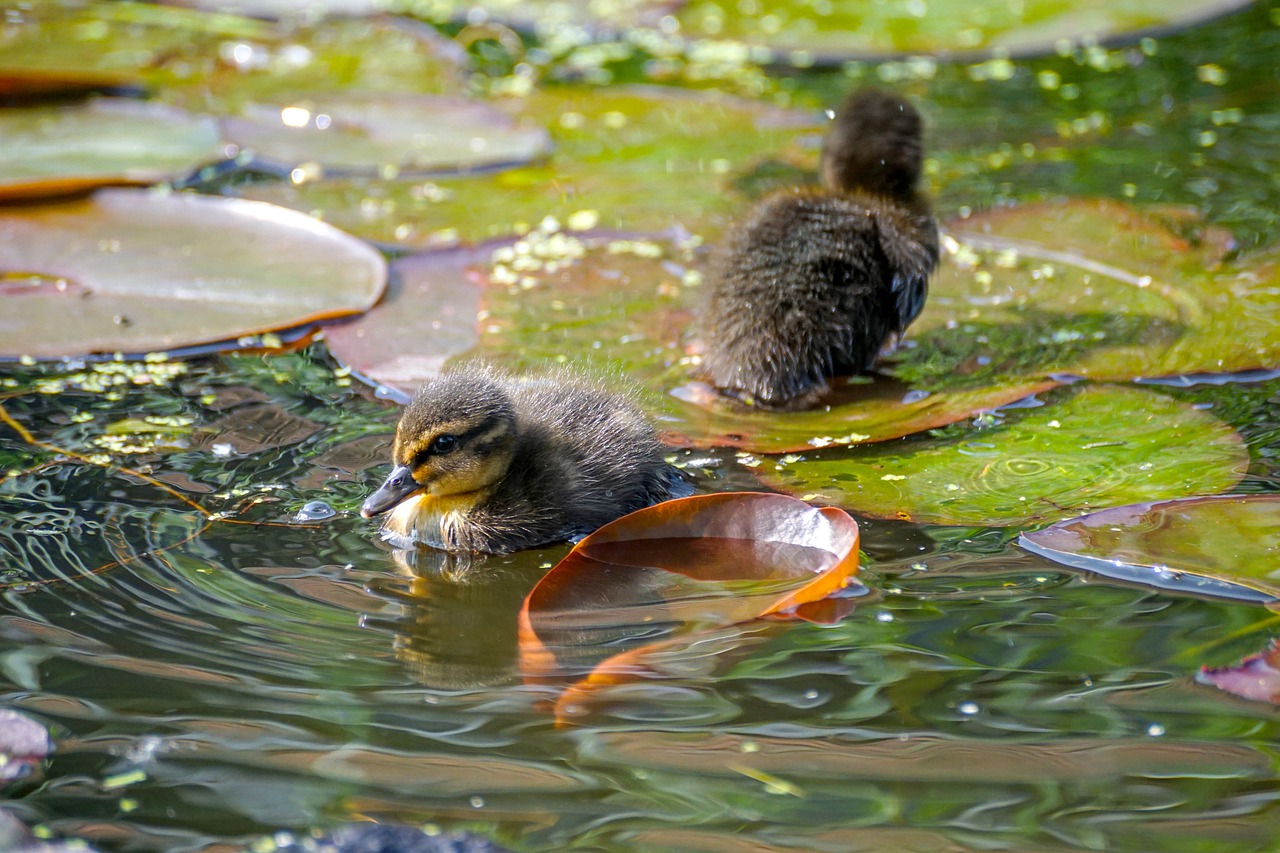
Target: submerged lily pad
(1229, 538)
(681, 567)
(65, 149)
(1093, 288)
(1257, 677)
(1096, 446)
(369, 134)
(139, 271)
(641, 159)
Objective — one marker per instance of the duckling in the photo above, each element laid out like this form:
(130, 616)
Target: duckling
(491, 463)
(814, 281)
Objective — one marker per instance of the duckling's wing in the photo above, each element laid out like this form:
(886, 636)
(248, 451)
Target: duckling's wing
(911, 245)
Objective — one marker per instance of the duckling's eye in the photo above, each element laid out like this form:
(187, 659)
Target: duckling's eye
(444, 443)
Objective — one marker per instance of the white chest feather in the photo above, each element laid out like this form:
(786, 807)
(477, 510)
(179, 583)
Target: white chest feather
(423, 519)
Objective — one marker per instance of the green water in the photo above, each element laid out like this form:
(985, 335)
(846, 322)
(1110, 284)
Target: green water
(208, 681)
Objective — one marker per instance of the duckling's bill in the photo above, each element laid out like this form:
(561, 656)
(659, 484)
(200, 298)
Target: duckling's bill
(398, 486)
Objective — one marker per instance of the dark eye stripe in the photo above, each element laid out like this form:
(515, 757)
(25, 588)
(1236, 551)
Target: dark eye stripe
(488, 424)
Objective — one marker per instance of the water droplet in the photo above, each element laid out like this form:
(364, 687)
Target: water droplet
(968, 708)
(1155, 730)
(884, 617)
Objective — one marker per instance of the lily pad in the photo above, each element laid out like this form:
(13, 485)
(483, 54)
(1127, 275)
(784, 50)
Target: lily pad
(427, 316)
(1233, 539)
(854, 413)
(67, 149)
(643, 159)
(809, 33)
(1095, 446)
(51, 48)
(1091, 288)
(138, 271)
(1257, 677)
(370, 134)
(676, 570)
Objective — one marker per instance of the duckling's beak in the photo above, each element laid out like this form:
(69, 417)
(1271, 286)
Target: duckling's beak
(398, 486)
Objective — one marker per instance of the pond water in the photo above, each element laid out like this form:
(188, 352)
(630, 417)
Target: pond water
(215, 668)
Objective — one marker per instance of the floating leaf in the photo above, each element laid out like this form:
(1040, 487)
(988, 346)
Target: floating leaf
(1257, 677)
(1092, 288)
(608, 145)
(101, 44)
(427, 316)
(66, 149)
(1233, 539)
(24, 743)
(691, 565)
(357, 133)
(138, 271)
(1096, 446)
(857, 413)
(806, 33)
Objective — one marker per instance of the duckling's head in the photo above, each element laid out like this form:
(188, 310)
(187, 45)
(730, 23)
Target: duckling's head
(874, 144)
(456, 437)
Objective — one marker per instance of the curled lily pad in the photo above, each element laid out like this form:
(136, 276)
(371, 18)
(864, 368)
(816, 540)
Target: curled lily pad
(1095, 446)
(1092, 288)
(1256, 677)
(682, 567)
(1224, 545)
(371, 133)
(65, 149)
(138, 271)
(608, 145)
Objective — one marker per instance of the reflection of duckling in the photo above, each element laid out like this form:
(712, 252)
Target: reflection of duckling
(485, 462)
(814, 281)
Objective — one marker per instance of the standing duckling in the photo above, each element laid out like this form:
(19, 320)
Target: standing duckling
(492, 463)
(815, 281)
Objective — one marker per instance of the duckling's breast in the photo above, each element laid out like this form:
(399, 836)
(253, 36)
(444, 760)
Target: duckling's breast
(436, 520)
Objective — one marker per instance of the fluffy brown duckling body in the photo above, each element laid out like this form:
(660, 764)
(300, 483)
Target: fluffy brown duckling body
(491, 463)
(814, 281)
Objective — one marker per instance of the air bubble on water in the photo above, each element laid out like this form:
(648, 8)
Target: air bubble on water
(315, 511)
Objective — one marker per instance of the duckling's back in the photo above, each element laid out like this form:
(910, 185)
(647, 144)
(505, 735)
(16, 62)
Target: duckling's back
(813, 282)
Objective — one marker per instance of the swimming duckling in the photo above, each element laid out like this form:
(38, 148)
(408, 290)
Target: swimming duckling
(813, 282)
(487, 462)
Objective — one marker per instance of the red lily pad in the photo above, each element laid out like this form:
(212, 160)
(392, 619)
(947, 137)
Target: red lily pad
(1092, 447)
(1257, 677)
(356, 133)
(136, 271)
(1092, 288)
(679, 571)
(68, 149)
(1233, 540)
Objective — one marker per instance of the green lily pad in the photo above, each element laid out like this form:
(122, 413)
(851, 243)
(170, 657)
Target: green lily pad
(1096, 446)
(137, 271)
(811, 33)
(54, 48)
(1233, 539)
(1091, 288)
(641, 158)
(65, 149)
(371, 133)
